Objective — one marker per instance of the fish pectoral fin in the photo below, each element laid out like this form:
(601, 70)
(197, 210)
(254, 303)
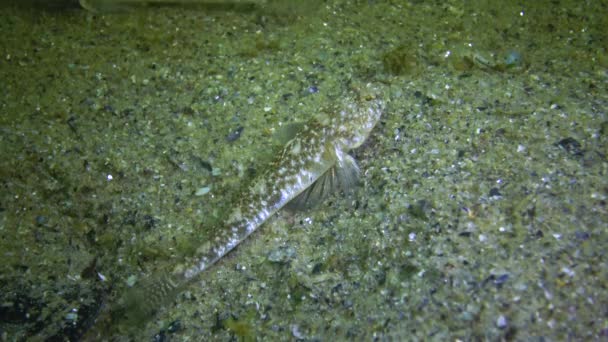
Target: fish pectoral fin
(342, 177)
(287, 132)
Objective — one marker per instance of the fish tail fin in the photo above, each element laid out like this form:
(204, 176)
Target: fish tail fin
(134, 308)
(145, 298)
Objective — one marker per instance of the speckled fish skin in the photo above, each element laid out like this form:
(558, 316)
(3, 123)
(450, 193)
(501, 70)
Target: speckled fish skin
(318, 148)
(312, 152)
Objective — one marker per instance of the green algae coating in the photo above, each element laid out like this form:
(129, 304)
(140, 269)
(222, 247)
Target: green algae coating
(475, 204)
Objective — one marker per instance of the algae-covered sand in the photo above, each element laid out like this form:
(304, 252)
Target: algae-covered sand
(481, 211)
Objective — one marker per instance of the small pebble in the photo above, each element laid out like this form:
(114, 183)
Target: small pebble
(174, 326)
(202, 191)
(235, 134)
(501, 279)
(295, 331)
(281, 254)
(411, 237)
(494, 192)
(41, 220)
(501, 322)
(466, 316)
(571, 146)
(513, 58)
(71, 316)
(159, 337)
(131, 280)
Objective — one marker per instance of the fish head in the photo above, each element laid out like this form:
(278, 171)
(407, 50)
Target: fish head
(358, 115)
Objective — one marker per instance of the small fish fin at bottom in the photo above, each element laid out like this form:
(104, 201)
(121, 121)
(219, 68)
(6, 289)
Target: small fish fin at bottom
(135, 306)
(342, 177)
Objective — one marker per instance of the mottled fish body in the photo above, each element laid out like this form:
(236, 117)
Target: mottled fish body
(316, 150)
(313, 163)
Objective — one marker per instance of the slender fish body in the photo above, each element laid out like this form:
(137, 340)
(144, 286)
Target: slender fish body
(311, 164)
(309, 156)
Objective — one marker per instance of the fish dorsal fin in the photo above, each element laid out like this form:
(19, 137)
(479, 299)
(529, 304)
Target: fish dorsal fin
(342, 177)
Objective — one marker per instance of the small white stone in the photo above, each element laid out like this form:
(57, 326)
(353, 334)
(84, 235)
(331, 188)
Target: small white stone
(570, 273)
(501, 322)
(131, 280)
(202, 191)
(295, 331)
